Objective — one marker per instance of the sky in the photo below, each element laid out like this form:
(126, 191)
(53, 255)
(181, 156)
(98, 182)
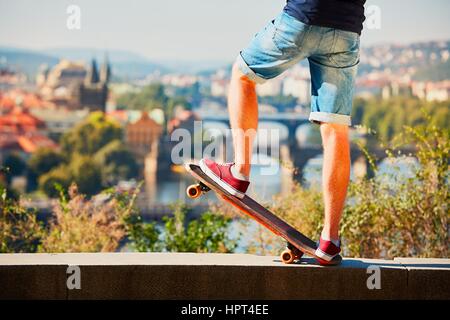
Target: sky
(191, 30)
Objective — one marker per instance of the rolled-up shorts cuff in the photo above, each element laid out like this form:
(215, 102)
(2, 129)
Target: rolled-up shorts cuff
(249, 73)
(330, 118)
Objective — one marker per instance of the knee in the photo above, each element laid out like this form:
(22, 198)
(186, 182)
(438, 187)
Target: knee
(238, 75)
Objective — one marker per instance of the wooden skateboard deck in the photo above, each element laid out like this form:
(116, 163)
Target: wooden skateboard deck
(298, 243)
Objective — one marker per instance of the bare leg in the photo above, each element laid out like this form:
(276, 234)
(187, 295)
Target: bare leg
(335, 175)
(243, 110)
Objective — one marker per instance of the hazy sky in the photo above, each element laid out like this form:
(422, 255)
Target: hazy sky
(191, 29)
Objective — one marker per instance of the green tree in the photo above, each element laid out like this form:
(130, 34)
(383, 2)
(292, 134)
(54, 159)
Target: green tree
(116, 163)
(45, 159)
(91, 135)
(86, 174)
(150, 97)
(16, 166)
(59, 176)
(41, 162)
(387, 117)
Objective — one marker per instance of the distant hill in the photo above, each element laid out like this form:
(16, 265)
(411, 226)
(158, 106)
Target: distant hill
(24, 60)
(128, 65)
(125, 65)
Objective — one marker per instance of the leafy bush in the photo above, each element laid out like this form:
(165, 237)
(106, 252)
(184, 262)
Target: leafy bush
(410, 216)
(207, 234)
(81, 225)
(20, 230)
(143, 236)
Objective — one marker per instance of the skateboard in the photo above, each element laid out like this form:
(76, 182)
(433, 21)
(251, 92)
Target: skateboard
(297, 243)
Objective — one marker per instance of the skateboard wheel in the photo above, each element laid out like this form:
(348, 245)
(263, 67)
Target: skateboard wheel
(194, 191)
(287, 256)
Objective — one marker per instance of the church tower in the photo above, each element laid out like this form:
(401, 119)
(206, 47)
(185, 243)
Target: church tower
(105, 71)
(92, 74)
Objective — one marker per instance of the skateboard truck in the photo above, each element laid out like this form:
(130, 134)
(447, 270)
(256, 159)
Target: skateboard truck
(196, 190)
(290, 254)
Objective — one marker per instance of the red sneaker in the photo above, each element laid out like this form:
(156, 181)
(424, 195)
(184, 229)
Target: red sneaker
(327, 251)
(221, 174)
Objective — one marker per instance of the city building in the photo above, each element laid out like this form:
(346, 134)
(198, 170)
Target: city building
(142, 138)
(10, 78)
(432, 91)
(219, 87)
(185, 119)
(75, 86)
(270, 88)
(22, 133)
(59, 120)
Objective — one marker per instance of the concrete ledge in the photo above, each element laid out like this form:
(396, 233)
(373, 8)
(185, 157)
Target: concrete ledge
(216, 276)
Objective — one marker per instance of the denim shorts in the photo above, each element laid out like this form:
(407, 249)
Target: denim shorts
(333, 57)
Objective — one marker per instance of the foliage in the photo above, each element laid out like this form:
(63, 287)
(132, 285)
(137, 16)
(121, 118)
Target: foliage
(15, 164)
(150, 97)
(101, 223)
(387, 117)
(408, 217)
(153, 96)
(209, 233)
(95, 158)
(20, 230)
(81, 225)
(116, 163)
(86, 174)
(143, 236)
(90, 135)
(41, 162)
(60, 176)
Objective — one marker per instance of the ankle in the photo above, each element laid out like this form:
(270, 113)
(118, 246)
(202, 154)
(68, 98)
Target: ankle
(241, 171)
(331, 236)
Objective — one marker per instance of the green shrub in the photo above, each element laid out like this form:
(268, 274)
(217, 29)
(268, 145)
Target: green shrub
(210, 233)
(410, 216)
(20, 229)
(81, 225)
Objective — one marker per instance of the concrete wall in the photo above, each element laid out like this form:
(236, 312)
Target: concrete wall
(217, 276)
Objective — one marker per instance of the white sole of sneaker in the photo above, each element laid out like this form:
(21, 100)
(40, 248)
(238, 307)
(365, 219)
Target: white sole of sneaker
(219, 181)
(323, 255)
